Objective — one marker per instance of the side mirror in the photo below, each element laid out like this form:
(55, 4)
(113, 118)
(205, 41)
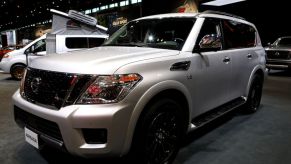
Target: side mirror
(210, 42)
(269, 44)
(26, 52)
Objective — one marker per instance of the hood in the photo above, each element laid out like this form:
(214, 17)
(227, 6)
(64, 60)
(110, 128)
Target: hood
(16, 52)
(100, 60)
(278, 48)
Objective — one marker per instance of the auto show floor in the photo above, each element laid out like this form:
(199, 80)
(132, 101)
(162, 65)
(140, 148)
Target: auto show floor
(260, 138)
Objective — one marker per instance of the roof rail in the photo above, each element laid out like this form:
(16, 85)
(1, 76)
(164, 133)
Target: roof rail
(221, 13)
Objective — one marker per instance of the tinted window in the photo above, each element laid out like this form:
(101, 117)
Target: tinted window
(210, 27)
(77, 42)
(95, 42)
(285, 42)
(238, 35)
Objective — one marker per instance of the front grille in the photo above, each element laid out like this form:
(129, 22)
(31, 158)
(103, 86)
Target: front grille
(278, 54)
(25, 119)
(53, 88)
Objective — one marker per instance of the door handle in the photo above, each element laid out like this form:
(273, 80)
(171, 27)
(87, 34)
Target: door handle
(226, 59)
(249, 56)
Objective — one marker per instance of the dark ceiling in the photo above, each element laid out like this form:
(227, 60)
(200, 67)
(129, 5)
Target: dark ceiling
(271, 18)
(19, 13)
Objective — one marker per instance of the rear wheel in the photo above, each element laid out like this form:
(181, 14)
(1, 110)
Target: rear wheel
(17, 71)
(158, 134)
(255, 95)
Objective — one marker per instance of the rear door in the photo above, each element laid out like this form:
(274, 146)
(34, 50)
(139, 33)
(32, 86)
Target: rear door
(240, 46)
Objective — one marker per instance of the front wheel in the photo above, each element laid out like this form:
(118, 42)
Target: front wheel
(158, 133)
(255, 95)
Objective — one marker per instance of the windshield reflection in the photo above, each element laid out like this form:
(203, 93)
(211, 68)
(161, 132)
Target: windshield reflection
(167, 33)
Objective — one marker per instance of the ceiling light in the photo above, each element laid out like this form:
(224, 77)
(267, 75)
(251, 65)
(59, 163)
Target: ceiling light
(221, 2)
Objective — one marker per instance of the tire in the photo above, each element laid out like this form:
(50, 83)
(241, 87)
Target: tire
(17, 71)
(254, 95)
(158, 133)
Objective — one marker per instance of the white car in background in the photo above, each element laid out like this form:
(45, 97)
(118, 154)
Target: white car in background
(15, 62)
(72, 31)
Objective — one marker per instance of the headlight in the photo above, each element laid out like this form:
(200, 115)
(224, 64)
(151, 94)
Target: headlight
(109, 89)
(6, 55)
(22, 83)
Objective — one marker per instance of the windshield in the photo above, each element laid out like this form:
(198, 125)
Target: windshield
(167, 33)
(284, 42)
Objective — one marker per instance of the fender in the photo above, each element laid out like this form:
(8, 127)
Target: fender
(258, 67)
(145, 99)
(7, 65)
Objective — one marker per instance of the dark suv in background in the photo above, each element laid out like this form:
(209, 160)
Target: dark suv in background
(279, 54)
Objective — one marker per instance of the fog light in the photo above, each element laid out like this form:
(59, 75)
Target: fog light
(95, 136)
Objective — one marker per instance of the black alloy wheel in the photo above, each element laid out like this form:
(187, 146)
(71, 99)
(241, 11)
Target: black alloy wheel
(159, 133)
(162, 137)
(255, 95)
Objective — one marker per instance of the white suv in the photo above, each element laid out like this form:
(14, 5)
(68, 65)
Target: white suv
(152, 82)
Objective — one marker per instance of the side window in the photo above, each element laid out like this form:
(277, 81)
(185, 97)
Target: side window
(249, 36)
(39, 46)
(77, 42)
(238, 35)
(209, 37)
(95, 42)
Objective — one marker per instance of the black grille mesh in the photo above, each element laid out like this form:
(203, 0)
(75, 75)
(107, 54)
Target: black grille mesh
(278, 54)
(53, 88)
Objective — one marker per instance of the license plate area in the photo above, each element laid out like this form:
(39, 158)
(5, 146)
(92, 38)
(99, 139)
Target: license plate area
(31, 137)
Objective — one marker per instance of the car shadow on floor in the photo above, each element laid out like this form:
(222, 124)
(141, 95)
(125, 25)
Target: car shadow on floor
(53, 156)
(9, 79)
(217, 123)
(199, 140)
(6, 77)
(200, 132)
(283, 73)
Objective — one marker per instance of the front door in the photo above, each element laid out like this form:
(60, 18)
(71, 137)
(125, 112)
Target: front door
(211, 70)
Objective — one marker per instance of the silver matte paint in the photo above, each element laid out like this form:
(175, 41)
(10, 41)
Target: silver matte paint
(100, 60)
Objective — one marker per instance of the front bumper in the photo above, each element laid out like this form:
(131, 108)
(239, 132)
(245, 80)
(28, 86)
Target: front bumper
(5, 66)
(278, 64)
(72, 120)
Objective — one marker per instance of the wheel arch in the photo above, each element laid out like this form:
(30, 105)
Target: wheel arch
(167, 89)
(256, 71)
(18, 63)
